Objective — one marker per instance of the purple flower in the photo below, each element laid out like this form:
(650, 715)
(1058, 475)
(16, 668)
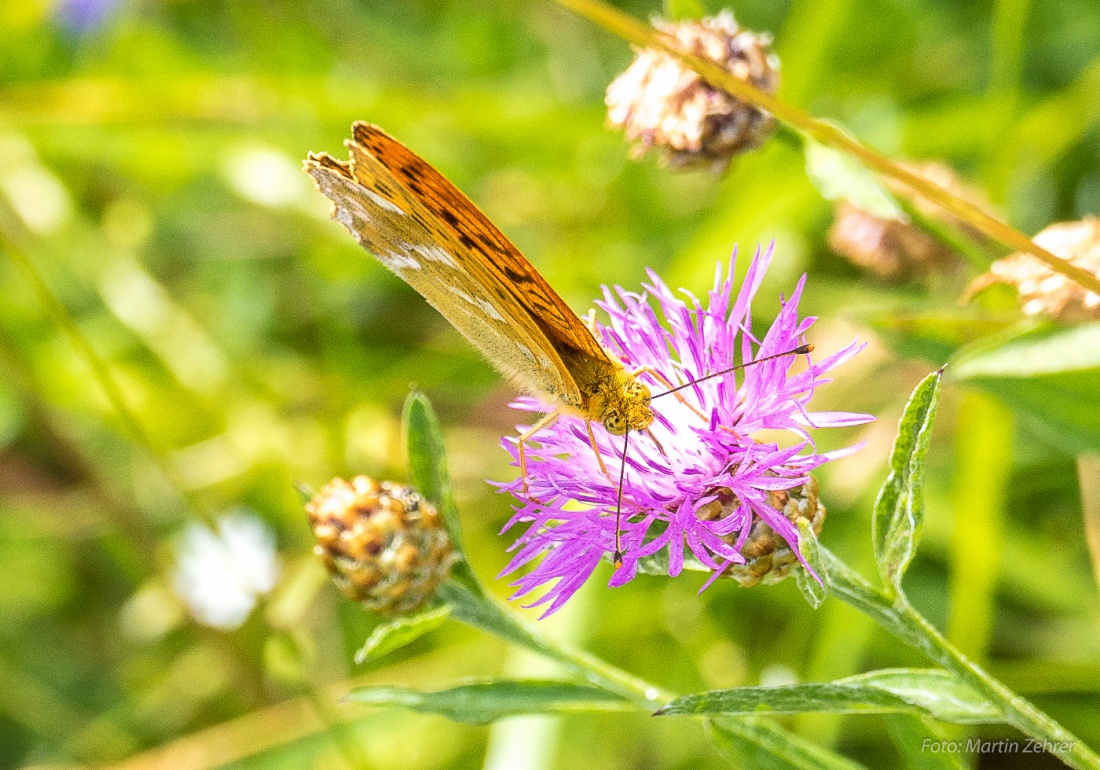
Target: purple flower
(569, 504)
(84, 16)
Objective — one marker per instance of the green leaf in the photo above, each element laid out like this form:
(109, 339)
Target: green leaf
(1049, 374)
(899, 508)
(305, 492)
(933, 334)
(938, 692)
(839, 176)
(750, 742)
(394, 635)
(428, 461)
(921, 743)
(813, 590)
(483, 702)
(932, 692)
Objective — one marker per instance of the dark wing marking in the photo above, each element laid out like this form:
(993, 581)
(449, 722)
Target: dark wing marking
(475, 231)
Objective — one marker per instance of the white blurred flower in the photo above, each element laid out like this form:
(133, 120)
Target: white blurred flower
(265, 176)
(221, 575)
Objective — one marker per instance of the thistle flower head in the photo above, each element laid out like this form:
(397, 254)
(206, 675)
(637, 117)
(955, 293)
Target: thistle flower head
(703, 475)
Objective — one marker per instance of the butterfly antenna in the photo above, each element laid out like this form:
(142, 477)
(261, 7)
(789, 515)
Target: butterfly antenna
(800, 350)
(619, 506)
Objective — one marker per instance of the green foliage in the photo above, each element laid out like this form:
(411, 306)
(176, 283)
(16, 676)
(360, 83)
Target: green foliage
(428, 463)
(1051, 374)
(812, 586)
(396, 633)
(838, 176)
(899, 508)
(750, 742)
(929, 692)
(489, 701)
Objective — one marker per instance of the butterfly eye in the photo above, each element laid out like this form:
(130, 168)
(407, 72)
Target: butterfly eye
(614, 423)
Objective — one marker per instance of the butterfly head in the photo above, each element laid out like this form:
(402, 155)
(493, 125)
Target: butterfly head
(622, 404)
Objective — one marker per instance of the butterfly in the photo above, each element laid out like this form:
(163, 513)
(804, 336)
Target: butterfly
(433, 237)
(425, 230)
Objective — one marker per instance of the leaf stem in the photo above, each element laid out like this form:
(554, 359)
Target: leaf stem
(643, 35)
(900, 618)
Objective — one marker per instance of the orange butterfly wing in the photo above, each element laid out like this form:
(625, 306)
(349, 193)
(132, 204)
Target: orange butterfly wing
(421, 227)
(476, 232)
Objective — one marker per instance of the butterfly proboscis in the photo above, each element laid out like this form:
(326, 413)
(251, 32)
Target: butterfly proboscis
(617, 556)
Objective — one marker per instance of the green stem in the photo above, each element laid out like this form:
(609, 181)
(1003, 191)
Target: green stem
(899, 618)
(945, 232)
(101, 372)
(949, 235)
(643, 35)
(471, 605)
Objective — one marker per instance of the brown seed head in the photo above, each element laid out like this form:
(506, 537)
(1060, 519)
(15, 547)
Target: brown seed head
(895, 248)
(384, 545)
(660, 104)
(768, 558)
(1043, 291)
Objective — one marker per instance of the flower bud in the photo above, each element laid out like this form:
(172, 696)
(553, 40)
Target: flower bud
(1043, 291)
(768, 557)
(659, 103)
(895, 248)
(384, 545)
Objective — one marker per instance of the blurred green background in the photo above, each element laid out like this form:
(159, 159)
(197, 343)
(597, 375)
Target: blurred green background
(149, 170)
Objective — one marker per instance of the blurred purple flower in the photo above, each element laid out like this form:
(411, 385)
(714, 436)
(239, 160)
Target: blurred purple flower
(569, 505)
(84, 16)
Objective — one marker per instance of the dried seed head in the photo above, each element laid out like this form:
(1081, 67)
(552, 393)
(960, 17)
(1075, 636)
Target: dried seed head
(661, 104)
(384, 545)
(768, 557)
(1043, 291)
(897, 249)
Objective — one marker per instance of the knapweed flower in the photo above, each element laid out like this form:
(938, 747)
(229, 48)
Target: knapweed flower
(706, 449)
(661, 104)
(84, 16)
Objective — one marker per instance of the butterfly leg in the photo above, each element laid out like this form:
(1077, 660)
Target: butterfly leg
(664, 381)
(653, 438)
(596, 448)
(526, 436)
(729, 430)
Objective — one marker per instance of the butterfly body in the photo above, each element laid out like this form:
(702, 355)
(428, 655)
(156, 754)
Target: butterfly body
(425, 230)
